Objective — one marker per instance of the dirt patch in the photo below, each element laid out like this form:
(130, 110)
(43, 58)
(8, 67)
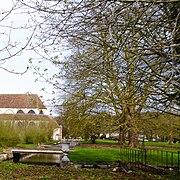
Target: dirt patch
(119, 146)
(99, 145)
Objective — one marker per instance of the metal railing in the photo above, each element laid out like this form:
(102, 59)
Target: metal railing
(154, 157)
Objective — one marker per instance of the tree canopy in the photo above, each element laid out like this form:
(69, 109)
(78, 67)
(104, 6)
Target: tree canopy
(122, 57)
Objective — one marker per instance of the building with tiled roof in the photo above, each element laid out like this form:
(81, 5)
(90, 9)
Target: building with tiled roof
(27, 110)
(21, 103)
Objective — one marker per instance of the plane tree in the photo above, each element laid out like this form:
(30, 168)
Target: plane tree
(123, 56)
(108, 73)
(164, 127)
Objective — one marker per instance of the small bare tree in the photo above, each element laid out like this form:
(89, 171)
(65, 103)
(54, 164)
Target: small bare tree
(12, 44)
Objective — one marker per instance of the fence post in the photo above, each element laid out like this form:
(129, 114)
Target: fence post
(145, 157)
(128, 154)
(172, 155)
(163, 158)
(157, 157)
(166, 158)
(178, 160)
(135, 157)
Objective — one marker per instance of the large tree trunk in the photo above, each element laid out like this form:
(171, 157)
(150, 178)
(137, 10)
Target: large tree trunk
(133, 137)
(170, 138)
(122, 135)
(132, 132)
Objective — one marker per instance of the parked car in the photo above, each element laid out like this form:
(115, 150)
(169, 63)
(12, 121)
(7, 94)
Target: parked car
(143, 139)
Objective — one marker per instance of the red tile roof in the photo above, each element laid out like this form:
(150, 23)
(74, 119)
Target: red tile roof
(21, 101)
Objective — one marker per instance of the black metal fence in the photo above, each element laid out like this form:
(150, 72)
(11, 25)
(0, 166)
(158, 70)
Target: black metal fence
(154, 157)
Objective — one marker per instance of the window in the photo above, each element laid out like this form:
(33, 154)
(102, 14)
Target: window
(41, 112)
(31, 112)
(9, 111)
(20, 112)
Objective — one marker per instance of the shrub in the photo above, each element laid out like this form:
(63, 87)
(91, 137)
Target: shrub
(35, 135)
(9, 135)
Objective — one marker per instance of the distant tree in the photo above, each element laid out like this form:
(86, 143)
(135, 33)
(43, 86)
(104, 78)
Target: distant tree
(79, 120)
(164, 126)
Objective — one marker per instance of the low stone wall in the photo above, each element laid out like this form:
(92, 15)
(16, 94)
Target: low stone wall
(6, 154)
(3, 156)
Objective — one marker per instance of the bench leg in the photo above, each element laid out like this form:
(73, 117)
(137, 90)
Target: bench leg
(16, 157)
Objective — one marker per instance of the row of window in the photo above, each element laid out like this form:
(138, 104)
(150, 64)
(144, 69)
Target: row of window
(29, 112)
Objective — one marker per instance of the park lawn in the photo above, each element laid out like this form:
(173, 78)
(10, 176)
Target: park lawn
(96, 155)
(27, 145)
(21, 146)
(112, 155)
(111, 152)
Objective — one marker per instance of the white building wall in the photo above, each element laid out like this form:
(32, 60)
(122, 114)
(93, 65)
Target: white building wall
(57, 134)
(25, 110)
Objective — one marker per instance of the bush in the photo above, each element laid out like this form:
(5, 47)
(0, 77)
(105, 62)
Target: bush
(9, 135)
(35, 135)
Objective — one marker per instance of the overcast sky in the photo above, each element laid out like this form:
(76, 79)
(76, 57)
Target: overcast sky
(14, 83)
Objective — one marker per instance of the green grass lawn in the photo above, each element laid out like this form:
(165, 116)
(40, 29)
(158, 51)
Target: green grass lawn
(111, 154)
(22, 146)
(96, 155)
(27, 145)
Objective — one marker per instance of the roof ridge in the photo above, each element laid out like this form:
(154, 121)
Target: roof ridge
(21, 101)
